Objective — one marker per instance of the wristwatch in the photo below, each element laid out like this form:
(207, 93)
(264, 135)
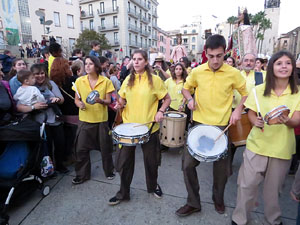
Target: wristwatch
(32, 107)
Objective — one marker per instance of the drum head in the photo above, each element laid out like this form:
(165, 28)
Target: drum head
(174, 115)
(129, 129)
(201, 141)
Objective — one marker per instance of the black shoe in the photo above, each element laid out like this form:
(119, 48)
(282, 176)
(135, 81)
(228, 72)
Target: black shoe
(114, 201)
(158, 192)
(186, 210)
(111, 176)
(233, 223)
(77, 180)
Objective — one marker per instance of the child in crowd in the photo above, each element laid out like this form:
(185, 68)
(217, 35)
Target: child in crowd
(28, 94)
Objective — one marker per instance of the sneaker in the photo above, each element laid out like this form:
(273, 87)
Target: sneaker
(158, 192)
(114, 201)
(77, 180)
(111, 177)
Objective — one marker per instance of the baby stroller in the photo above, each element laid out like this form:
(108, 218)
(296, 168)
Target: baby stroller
(21, 153)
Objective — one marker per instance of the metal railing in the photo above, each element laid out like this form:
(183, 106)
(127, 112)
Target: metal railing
(108, 11)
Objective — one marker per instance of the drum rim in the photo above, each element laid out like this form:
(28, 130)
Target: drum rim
(268, 116)
(126, 136)
(278, 107)
(217, 156)
(182, 114)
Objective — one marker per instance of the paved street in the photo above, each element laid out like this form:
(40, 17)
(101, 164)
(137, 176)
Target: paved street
(87, 203)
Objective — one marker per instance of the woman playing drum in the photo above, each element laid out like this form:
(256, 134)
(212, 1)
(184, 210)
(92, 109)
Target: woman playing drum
(141, 92)
(93, 131)
(268, 153)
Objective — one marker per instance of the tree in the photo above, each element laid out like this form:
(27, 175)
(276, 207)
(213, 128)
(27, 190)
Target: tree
(231, 20)
(87, 36)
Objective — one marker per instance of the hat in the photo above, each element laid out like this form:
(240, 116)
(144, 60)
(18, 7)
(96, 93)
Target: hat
(159, 58)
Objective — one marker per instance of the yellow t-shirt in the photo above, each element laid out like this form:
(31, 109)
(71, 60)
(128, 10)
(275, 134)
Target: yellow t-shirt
(50, 61)
(98, 112)
(278, 140)
(214, 92)
(175, 93)
(142, 99)
(250, 83)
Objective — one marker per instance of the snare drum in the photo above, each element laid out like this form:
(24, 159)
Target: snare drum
(172, 129)
(202, 146)
(129, 135)
(90, 99)
(239, 132)
(272, 116)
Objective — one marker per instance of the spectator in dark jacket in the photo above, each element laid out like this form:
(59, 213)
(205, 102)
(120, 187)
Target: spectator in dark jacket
(6, 59)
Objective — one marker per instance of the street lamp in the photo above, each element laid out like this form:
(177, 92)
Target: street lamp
(41, 14)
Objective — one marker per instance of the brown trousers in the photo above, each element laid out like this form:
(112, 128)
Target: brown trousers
(221, 172)
(125, 159)
(92, 136)
(254, 169)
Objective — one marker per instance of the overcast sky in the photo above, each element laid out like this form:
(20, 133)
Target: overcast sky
(174, 13)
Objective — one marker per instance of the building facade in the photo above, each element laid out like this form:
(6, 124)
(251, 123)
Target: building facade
(290, 42)
(128, 25)
(65, 17)
(164, 44)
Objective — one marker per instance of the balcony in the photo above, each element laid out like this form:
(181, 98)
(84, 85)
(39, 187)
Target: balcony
(154, 37)
(115, 43)
(108, 11)
(142, 4)
(154, 14)
(154, 26)
(134, 44)
(133, 28)
(108, 28)
(84, 15)
(144, 19)
(133, 13)
(145, 33)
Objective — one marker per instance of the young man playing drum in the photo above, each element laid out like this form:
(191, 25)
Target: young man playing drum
(214, 83)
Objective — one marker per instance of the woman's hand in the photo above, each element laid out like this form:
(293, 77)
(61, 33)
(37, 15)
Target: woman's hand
(181, 108)
(80, 104)
(54, 100)
(191, 104)
(259, 122)
(98, 100)
(294, 197)
(283, 119)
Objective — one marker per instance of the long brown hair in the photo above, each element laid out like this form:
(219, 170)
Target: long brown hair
(38, 67)
(147, 69)
(12, 71)
(270, 78)
(60, 70)
(184, 72)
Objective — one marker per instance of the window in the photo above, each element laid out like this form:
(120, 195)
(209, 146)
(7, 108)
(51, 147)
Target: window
(193, 31)
(103, 23)
(193, 39)
(135, 39)
(149, 17)
(115, 36)
(81, 25)
(1, 38)
(129, 38)
(193, 47)
(69, 2)
(134, 9)
(175, 41)
(161, 38)
(115, 21)
(70, 21)
(58, 40)
(56, 19)
(114, 4)
(71, 43)
(161, 49)
(90, 9)
(135, 23)
(141, 42)
(146, 44)
(128, 5)
(149, 5)
(91, 24)
(102, 7)
(141, 27)
(185, 40)
(185, 31)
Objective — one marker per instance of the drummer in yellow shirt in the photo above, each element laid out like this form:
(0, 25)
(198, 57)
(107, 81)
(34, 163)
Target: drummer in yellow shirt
(268, 153)
(139, 96)
(214, 83)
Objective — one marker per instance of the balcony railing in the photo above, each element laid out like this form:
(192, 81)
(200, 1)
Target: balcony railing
(133, 13)
(142, 4)
(108, 11)
(145, 33)
(154, 37)
(144, 19)
(115, 43)
(108, 27)
(84, 15)
(134, 44)
(133, 28)
(154, 13)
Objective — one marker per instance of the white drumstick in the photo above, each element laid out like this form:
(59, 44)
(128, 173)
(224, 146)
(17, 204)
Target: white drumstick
(256, 101)
(76, 90)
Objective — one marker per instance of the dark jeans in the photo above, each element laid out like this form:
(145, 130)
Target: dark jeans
(70, 134)
(56, 138)
(298, 217)
(221, 172)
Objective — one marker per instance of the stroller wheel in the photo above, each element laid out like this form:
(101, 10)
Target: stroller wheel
(45, 190)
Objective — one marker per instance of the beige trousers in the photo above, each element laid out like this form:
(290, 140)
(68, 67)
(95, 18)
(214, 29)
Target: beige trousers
(254, 169)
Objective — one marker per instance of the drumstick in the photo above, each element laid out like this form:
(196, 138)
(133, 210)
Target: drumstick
(144, 123)
(257, 106)
(78, 95)
(223, 132)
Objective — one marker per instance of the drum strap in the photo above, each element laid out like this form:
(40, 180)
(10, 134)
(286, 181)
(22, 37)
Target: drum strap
(151, 128)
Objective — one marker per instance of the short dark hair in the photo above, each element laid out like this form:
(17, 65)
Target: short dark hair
(126, 57)
(55, 48)
(76, 51)
(103, 59)
(94, 43)
(6, 52)
(270, 78)
(260, 59)
(23, 75)
(45, 51)
(96, 62)
(215, 41)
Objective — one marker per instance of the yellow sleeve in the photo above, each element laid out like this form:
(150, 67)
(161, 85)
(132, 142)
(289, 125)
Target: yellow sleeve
(191, 81)
(109, 86)
(250, 102)
(160, 88)
(122, 91)
(240, 84)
